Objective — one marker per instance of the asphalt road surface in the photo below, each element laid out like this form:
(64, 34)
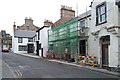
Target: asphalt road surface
(26, 67)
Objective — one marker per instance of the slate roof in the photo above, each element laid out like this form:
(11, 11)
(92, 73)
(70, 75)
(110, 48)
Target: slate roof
(25, 33)
(61, 21)
(88, 13)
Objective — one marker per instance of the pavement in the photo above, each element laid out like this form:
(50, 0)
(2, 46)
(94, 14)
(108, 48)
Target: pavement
(33, 55)
(73, 64)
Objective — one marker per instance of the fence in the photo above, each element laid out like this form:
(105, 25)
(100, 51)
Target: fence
(88, 60)
(62, 52)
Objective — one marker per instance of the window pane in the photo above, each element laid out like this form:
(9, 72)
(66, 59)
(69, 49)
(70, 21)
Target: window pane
(102, 9)
(82, 23)
(22, 48)
(19, 40)
(101, 13)
(30, 40)
(103, 17)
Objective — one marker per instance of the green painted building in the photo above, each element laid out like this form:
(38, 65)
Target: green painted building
(63, 40)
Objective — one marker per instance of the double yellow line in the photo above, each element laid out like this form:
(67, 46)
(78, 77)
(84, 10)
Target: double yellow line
(18, 72)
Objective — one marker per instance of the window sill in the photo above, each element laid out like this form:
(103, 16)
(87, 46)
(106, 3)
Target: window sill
(97, 24)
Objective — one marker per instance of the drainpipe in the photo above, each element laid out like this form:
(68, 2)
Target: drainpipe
(77, 54)
(100, 52)
(86, 47)
(77, 51)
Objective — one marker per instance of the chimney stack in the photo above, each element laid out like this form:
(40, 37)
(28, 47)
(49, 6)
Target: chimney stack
(14, 28)
(67, 12)
(28, 21)
(48, 23)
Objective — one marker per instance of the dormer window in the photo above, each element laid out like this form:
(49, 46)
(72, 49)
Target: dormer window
(101, 16)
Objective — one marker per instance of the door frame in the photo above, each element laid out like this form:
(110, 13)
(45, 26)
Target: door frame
(37, 48)
(104, 40)
(41, 52)
(82, 47)
(28, 50)
(104, 57)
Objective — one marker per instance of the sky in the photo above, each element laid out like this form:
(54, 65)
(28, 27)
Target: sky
(17, 10)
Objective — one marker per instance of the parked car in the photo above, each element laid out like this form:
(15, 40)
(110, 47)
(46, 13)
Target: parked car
(5, 49)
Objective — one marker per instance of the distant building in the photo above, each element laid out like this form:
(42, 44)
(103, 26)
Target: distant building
(105, 28)
(6, 39)
(23, 37)
(23, 41)
(28, 25)
(41, 39)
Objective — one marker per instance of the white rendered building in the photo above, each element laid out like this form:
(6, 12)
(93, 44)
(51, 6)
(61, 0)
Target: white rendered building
(105, 28)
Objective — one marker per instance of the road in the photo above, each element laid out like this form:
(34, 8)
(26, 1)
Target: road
(26, 67)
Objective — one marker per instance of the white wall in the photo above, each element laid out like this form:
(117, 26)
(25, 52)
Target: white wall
(35, 48)
(16, 44)
(93, 46)
(93, 16)
(112, 16)
(113, 55)
(93, 42)
(112, 20)
(44, 40)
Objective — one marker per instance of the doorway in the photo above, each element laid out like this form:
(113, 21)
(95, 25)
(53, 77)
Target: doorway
(41, 52)
(30, 48)
(82, 47)
(104, 55)
(105, 42)
(37, 46)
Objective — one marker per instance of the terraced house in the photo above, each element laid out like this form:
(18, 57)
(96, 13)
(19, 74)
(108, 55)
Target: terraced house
(105, 27)
(71, 40)
(63, 40)
(41, 39)
(22, 38)
(95, 33)
(63, 37)
(6, 40)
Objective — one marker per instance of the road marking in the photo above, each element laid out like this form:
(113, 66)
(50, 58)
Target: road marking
(10, 68)
(18, 73)
(21, 67)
